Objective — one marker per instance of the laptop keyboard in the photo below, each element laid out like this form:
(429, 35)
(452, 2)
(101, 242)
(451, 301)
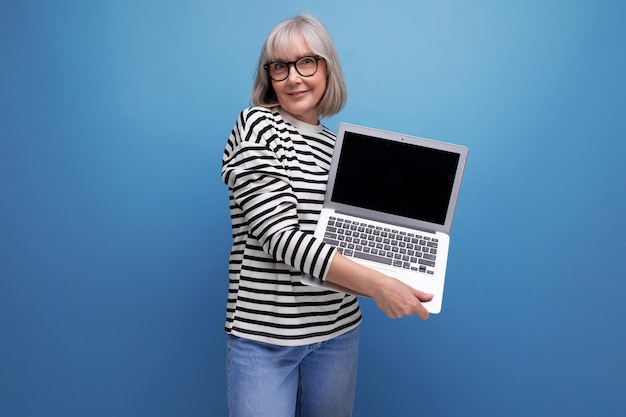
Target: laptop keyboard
(359, 239)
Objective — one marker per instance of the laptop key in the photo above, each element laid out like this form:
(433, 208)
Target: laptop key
(375, 258)
(330, 241)
(426, 262)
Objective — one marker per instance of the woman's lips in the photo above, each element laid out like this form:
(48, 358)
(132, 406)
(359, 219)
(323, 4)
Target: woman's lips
(297, 94)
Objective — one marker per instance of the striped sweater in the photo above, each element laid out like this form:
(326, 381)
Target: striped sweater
(276, 169)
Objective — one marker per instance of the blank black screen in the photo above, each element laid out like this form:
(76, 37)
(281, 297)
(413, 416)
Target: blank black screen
(395, 177)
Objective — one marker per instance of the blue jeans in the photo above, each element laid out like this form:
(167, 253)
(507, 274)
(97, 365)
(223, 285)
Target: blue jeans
(267, 380)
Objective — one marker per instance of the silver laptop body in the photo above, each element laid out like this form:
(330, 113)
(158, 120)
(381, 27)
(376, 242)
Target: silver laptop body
(390, 203)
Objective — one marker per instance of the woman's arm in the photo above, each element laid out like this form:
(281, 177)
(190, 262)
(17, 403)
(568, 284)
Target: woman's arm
(392, 296)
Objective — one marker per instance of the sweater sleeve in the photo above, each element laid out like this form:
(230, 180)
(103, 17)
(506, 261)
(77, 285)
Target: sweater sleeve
(255, 168)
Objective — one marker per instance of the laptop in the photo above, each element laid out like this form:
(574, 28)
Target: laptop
(389, 205)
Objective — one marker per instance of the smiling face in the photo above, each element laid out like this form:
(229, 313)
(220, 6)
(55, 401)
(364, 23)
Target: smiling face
(297, 95)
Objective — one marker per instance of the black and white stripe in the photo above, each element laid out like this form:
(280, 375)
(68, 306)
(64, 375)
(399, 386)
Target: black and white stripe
(276, 174)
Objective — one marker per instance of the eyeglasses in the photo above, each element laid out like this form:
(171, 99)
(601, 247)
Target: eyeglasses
(305, 66)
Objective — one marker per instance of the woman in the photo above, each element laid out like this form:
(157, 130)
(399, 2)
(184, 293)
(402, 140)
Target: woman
(292, 349)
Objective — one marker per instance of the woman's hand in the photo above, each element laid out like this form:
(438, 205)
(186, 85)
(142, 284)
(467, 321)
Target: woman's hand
(397, 299)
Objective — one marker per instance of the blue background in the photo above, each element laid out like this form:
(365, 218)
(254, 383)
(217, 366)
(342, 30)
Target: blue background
(114, 223)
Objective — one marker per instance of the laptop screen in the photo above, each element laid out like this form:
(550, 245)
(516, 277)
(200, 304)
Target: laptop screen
(395, 177)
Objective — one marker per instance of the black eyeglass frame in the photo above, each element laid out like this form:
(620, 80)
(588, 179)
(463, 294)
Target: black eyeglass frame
(317, 58)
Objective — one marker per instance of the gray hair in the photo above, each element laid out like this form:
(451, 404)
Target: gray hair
(316, 36)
